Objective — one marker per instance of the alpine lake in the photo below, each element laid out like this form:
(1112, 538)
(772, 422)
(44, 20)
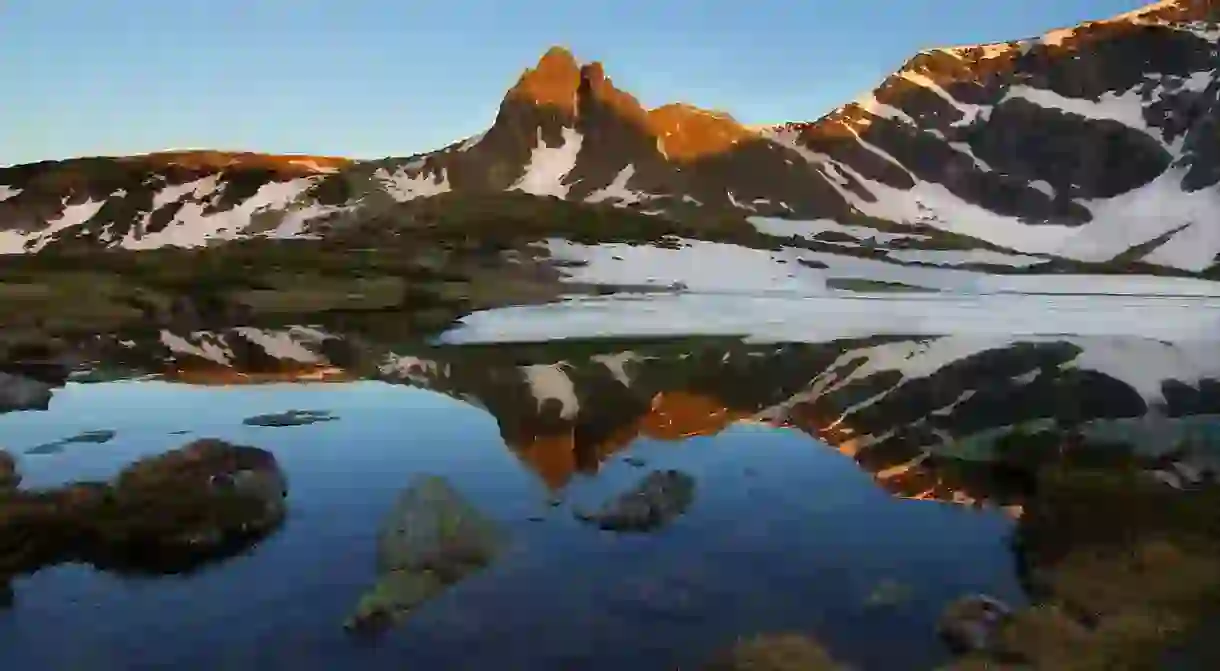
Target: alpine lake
(300, 498)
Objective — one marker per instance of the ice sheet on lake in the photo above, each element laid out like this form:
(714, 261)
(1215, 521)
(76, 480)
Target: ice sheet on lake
(826, 318)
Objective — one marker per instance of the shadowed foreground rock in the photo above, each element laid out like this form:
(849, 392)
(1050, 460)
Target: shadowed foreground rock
(432, 539)
(9, 477)
(775, 652)
(659, 498)
(164, 514)
(18, 392)
(1124, 572)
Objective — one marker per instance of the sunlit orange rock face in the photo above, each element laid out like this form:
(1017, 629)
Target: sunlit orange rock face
(283, 164)
(688, 133)
(683, 132)
(553, 82)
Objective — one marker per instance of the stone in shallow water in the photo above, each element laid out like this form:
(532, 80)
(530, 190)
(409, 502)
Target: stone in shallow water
(162, 514)
(659, 498)
(18, 392)
(775, 652)
(96, 437)
(290, 418)
(432, 539)
(9, 477)
(972, 623)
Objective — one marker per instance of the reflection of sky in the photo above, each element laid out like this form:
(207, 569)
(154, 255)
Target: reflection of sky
(784, 534)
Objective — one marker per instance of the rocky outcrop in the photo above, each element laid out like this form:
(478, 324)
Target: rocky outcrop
(18, 392)
(163, 514)
(432, 539)
(9, 477)
(653, 503)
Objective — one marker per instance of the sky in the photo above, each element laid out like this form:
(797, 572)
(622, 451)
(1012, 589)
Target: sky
(373, 78)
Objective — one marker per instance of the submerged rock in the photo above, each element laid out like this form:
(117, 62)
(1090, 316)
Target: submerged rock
(161, 514)
(659, 498)
(290, 418)
(9, 477)
(972, 623)
(18, 392)
(775, 652)
(83, 438)
(432, 539)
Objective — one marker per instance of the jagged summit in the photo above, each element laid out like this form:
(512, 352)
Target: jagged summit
(682, 131)
(553, 81)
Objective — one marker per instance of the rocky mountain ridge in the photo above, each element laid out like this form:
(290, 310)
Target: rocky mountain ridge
(1095, 143)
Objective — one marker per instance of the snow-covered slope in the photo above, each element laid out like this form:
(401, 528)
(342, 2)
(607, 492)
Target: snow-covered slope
(182, 198)
(1098, 142)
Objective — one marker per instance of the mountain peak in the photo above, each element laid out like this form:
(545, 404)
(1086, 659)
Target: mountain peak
(684, 131)
(552, 82)
(688, 132)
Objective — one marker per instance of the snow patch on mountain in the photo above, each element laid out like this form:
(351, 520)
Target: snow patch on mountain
(17, 242)
(1125, 108)
(402, 185)
(7, 192)
(192, 227)
(617, 190)
(548, 166)
(172, 193)
(1143, 214)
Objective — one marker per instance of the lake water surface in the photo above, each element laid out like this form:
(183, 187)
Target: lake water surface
(847, 489)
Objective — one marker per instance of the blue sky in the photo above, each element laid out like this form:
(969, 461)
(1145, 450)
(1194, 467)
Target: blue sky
(371, 78)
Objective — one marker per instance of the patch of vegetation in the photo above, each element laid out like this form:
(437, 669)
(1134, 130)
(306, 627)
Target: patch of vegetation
(1123, 569)
(863, 285)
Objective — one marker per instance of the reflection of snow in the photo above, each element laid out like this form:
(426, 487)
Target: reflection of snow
(824, 318)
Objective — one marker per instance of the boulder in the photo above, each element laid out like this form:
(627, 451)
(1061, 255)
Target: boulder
(659, 498)
(775, 652)
(167, 513)
(432, 539)
(973, 623)
(9, 477)
(18, 392)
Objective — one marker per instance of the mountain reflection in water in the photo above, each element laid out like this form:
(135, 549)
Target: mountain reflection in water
(783, 533)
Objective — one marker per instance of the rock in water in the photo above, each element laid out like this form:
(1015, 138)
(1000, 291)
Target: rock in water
(162, 514)
(18, 392)
(654, 502)
(9, 477)
(290, 418)
(775, 652)
(972, 623)
(432, 539)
